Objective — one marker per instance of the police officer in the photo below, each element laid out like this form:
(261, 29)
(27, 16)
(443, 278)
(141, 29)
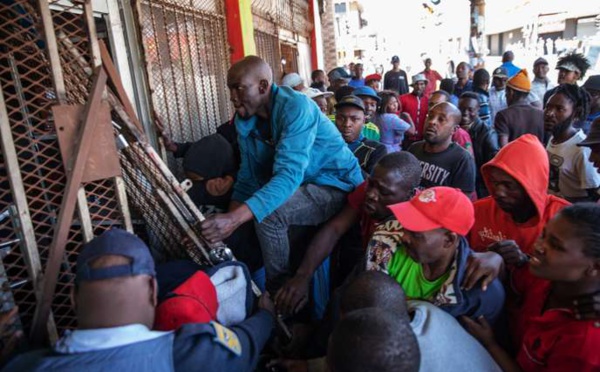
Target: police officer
(115, 297)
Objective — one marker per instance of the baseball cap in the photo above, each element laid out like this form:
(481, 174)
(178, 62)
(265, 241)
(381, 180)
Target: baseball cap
(194, 301)
(351, 100)
(418, 77)
(314, 93)
(592, 83)
(375, 77)
(435, 208)
(540, 61)
(520, 82)
(338, 73)
(291, 80)
(569, 66)
(115, 242)
(500, 72)
(395, 59)
(593, 137)
(366, 92)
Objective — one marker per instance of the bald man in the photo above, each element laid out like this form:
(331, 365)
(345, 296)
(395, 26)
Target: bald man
(443, 162)
(296, 169)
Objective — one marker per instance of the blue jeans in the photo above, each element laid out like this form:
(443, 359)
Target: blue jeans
(310, 205)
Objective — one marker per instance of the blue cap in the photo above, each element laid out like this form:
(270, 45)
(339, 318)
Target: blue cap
(115, 242)
(338, 73)
(366, 92)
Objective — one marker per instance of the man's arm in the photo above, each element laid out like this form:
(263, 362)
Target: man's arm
(501, 128)
(491, 146)
(293, 295)
(404, 82)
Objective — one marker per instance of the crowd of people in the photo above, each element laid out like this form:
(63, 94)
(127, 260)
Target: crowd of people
(392, 225)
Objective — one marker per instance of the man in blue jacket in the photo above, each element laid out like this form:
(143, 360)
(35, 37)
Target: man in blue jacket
(115, 296)
(296, 169)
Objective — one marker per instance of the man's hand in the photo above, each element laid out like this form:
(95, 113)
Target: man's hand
(510, 252)
(265, 303)
(480, 329)
(6, 320)
(587, 307)
(160, 128)
(484, 266)
(293, 296)
(219, 226)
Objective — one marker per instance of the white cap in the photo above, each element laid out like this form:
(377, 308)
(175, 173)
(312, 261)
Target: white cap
(291, 80)
(314, 93)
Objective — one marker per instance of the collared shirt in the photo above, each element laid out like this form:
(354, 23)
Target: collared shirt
(540, 87)
(85, 340)
(497, 102)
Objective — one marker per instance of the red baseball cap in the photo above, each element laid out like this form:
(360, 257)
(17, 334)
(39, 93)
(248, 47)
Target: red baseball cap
(194, 301)
(435, 208)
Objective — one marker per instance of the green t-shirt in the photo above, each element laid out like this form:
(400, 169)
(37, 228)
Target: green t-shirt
(409, 274)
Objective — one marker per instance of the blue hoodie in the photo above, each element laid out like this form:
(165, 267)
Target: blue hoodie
(303, 147)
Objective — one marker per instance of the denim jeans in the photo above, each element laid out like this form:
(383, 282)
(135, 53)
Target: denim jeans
(310, 205)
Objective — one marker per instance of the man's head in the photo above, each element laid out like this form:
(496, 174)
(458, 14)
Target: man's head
(438, 96)
(592, 86)
(249, 82)
(395, 62)
(338, 77)
(294, 81)
(568, 103)
(350, 117)
(463, 70)
(571, 67)
(433, 223)
(427, 63)
(373, 340)
(319, 97)
(481, 79)
(540, 68)
(517, 87)
(468, 104)
(394, 180)
(447, 85)
(441, 124)
(114, 284)
(508, 56)
(373, 81)
(374, 289)
(419, 82)
(593, 142)
(508, 192)
(319, 77)
(499, 78)
(370, 100)
(358, 70)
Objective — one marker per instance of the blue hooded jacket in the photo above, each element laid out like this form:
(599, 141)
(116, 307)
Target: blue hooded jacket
(303, 147)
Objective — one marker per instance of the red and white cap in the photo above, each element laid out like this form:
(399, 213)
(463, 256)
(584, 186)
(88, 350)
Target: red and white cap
(435, 208)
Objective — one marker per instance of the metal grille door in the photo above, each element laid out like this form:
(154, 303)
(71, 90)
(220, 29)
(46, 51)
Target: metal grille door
(186, 53)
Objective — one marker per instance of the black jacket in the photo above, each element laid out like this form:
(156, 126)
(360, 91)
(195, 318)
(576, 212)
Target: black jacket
(485, 147)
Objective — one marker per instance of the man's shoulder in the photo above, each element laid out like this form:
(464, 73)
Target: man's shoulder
(372, 144)
(416, 147)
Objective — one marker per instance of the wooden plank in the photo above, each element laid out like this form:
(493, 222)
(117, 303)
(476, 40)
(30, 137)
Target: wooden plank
(65, 216)
(28, 244)
(52, 48)
(92, 35)
(121, 194)
(115, 82)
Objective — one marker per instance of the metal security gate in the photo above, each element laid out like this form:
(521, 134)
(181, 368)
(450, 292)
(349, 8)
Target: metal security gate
(267, 48)
(186, 54)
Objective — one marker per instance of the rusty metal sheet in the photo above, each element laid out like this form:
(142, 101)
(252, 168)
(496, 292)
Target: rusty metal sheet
(103, 160)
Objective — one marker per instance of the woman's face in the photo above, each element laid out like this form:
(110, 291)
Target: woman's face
(392, 106)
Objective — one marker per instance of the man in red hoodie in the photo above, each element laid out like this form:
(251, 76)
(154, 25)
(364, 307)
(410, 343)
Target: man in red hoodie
(511, 219)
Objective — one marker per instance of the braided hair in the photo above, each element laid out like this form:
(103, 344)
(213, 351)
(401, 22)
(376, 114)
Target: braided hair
(578, 96)
(584, 217)
(578, 60)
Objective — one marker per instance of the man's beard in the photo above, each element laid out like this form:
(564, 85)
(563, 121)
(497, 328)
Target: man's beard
(560, 128)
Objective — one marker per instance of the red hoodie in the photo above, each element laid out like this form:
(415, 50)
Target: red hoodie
(526, 160)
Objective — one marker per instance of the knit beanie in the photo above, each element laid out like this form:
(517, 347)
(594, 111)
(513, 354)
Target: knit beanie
(520, 82)
(210, 157)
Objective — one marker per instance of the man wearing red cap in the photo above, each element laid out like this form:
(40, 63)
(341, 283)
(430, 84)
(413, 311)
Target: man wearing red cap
(431, 259)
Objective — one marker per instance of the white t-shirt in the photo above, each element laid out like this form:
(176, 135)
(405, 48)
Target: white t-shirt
(444, 343)
(571, 173)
